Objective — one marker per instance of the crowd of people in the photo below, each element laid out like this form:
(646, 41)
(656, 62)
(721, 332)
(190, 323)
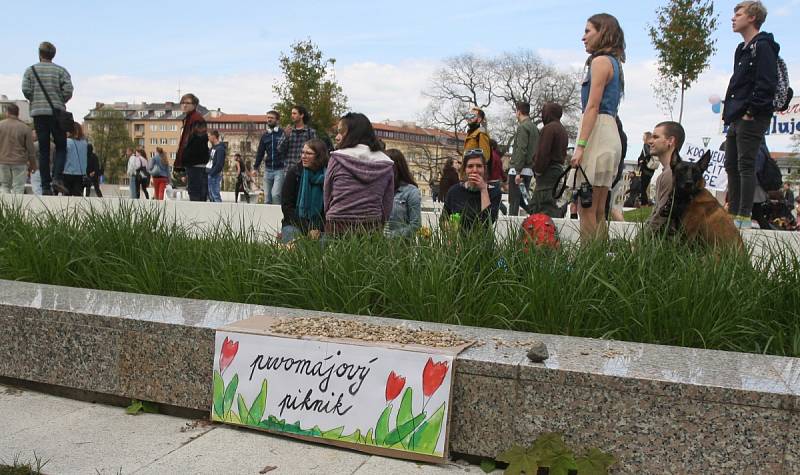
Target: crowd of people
(356, 185)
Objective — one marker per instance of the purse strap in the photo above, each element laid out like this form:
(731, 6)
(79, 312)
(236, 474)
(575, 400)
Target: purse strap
(46, 95)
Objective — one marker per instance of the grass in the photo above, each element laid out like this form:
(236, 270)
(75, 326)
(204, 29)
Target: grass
(18, 467)
(650, 291)
(638, 215)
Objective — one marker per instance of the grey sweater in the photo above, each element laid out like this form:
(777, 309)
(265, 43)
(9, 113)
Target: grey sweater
(57, 82)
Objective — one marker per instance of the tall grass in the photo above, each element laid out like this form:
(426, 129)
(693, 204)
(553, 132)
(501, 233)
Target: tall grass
(649, 291)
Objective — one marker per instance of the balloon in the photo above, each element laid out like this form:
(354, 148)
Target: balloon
(714, 99)
(716, 108)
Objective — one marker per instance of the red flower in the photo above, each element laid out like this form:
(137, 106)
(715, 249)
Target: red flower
(229, 349)
(394, 384)
(432, 376)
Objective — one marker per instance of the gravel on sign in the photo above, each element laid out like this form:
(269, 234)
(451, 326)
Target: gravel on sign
(329, 327)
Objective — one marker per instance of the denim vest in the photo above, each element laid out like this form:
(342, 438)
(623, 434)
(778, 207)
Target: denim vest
(611, 94)
(77, 156)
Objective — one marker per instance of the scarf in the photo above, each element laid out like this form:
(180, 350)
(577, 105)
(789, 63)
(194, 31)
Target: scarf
(309, 198)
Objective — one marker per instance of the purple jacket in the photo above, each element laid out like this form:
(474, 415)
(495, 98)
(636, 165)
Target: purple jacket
(359, 185)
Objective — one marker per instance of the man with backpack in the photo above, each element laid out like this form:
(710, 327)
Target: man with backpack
(749, 103)
(48, 87)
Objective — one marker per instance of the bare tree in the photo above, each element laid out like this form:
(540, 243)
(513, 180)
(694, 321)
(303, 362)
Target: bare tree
(495, 85)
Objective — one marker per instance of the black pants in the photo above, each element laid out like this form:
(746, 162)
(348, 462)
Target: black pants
(514, 194)
(741, 147)
(46, 126)
(542, 200)
(94, 184)
(74, 184)
(644, 198)
(197, 183)
(143, 183)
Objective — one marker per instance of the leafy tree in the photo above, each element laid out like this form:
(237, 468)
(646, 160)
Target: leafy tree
(307, 81)
(682, 37)
(110, 137)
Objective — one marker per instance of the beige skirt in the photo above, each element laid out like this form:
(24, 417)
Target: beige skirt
(602, 154)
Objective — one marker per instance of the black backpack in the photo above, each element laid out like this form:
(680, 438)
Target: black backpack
(770, 177)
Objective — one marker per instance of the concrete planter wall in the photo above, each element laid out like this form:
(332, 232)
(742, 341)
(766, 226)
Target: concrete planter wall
(657, 409)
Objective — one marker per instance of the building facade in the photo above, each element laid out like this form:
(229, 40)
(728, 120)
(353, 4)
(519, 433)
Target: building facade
(150, 125)
(24, 108)
(425, 149)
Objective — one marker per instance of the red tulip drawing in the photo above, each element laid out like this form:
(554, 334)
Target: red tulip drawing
(229, 349)
(394, 384)
(432, 376)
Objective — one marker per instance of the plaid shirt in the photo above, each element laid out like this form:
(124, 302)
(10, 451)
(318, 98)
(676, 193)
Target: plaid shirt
(292, 146)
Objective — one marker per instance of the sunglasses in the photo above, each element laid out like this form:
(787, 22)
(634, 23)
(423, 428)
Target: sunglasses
(475, 152)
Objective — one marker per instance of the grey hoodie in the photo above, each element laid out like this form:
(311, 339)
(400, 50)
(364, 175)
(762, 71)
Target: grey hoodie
(359, 185)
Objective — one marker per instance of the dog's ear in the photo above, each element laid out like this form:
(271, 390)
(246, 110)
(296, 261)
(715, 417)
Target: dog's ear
(704, 161)
(676, 159)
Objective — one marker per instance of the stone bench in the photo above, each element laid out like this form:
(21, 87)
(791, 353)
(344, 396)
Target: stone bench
(658, 409)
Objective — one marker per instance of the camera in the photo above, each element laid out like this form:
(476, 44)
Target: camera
(584, 194)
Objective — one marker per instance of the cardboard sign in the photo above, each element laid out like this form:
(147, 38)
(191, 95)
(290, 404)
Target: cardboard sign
(716, 177)
(383, 399)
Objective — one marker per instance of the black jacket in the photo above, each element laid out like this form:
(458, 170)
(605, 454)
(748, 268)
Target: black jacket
(754, 80)
(289, 193)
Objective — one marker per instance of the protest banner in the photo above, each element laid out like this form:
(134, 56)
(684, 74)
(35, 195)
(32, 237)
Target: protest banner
(378, 398)
(715, 176)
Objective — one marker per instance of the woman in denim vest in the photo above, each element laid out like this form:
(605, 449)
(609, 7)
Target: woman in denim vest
(598, 149)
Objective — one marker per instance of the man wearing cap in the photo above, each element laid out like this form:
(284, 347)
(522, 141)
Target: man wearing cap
(477, 136)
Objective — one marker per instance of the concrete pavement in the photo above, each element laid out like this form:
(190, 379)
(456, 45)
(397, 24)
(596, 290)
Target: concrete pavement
(76, 437)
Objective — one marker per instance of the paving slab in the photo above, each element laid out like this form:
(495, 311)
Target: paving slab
(30, 409)
(385, 466)
(93, 440)
(242, 451)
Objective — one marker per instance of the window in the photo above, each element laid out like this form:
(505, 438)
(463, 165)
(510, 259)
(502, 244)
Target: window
(140, 142)
(173, 128)
(142, 114)
(154, 141)
(173, 141)
(159, 114)
(245, 146)
(163, 141)
(153, 127)
(138, 128)
(172, 155)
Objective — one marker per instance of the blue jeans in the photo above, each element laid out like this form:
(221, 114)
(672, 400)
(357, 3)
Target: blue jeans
(214, 185)
(273, 184)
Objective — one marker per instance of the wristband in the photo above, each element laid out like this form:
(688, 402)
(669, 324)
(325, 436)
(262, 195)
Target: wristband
(582, 143)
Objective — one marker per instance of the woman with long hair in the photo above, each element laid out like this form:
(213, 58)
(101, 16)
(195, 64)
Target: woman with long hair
(449, 177)
(159, 170)
(359, 184)
(75, 167)
(472, 204)
(406, 217)
(598, 149)
(302, 192)
(241, 177)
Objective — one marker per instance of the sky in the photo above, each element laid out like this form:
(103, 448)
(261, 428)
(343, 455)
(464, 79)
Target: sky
(386, 52)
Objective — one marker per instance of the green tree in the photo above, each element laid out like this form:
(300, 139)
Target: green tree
(109, 135)
(308, 81)
(682, 37)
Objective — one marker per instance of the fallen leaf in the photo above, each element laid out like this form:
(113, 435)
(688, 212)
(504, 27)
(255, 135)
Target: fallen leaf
(268, 468)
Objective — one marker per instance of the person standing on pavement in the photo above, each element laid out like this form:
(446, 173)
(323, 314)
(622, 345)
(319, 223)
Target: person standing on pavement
(477, 136)
(549, 160)
(192, 153)
(17, 152)
(647, 167)
(215, 166)
(270, 151)
(56, 84)
(526, 142)
(748, 106)
(159, 171)
(296, 136)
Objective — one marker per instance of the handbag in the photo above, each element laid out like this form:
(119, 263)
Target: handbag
(64, 119)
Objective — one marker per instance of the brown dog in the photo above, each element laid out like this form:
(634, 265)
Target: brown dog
(694, 211)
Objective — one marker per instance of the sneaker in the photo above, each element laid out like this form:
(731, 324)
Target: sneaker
(58, 187)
